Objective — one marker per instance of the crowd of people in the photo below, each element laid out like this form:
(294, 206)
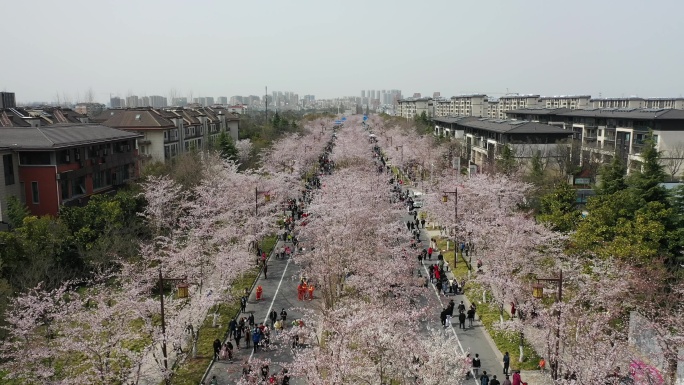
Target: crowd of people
(243, 332)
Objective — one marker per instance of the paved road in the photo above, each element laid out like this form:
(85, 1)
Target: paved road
(279, 291)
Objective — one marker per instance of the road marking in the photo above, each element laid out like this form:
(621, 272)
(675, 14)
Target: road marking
(451, 326)
(275, 295)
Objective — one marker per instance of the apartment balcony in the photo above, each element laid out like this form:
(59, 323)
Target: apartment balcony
(597, 147)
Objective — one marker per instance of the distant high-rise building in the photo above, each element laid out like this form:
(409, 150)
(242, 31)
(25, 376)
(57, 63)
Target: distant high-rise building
(222, 100)
(416, 94)
(132, 101)
(377, 94)
(157, 101)
(7, 100)
(363, 94)
(372, 95)
(436, 94)
(144, 101)
(117, 102)
(210, 101)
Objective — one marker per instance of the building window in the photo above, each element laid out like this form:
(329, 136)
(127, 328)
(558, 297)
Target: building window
(64, 187)
(8, 165)
(35, 158)
(78, 186)
(34, 193)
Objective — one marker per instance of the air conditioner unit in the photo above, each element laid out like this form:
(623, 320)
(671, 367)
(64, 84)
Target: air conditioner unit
(67, 158)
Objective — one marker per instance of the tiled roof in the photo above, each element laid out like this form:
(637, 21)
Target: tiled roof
(503, 126)
(628, 113)
(59, 136)
(513, 126)
(137, 119)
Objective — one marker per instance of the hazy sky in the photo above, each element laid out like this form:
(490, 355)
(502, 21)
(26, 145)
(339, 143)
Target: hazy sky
(335, 48)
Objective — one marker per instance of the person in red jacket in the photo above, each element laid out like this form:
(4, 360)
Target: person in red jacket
(300, 291)
(516, 378)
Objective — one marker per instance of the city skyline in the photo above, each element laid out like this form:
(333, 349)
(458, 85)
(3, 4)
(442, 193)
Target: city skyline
(316, 48)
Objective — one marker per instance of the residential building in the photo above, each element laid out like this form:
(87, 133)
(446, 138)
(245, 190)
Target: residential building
(542, 115)
(237, 109)
(7, 100)
(609, 132)
(64, 164)
(9, 186)
(167, 133)
(637, 102)
(469, 105)
(484, 138)
(565, 101)
(222, 100)
(90, 109)
(603, 133)
(410, 107)
(36, 117)
(511, 102)
(440, 107)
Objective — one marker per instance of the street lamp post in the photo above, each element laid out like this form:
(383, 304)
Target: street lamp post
(163, 320)
(538, 292)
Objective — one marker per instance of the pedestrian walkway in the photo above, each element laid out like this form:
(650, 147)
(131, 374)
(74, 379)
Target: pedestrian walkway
(279, 292)
(475, 339)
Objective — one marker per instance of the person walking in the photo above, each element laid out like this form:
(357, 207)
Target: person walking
(484, 378)
(542, 365)
(232, 326)
(265, 270)
(422, 223)
(494, 381)
(461, 320)
(243, 304)
(283, 315)
(468, 364)
(238, 336)
(256, 337)
(471, 316)
(516, 378)
(217, 349)
(506, 381)
(476, 365)
(248, 337)
(506, 362)
(273, 316)
(430, 253)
